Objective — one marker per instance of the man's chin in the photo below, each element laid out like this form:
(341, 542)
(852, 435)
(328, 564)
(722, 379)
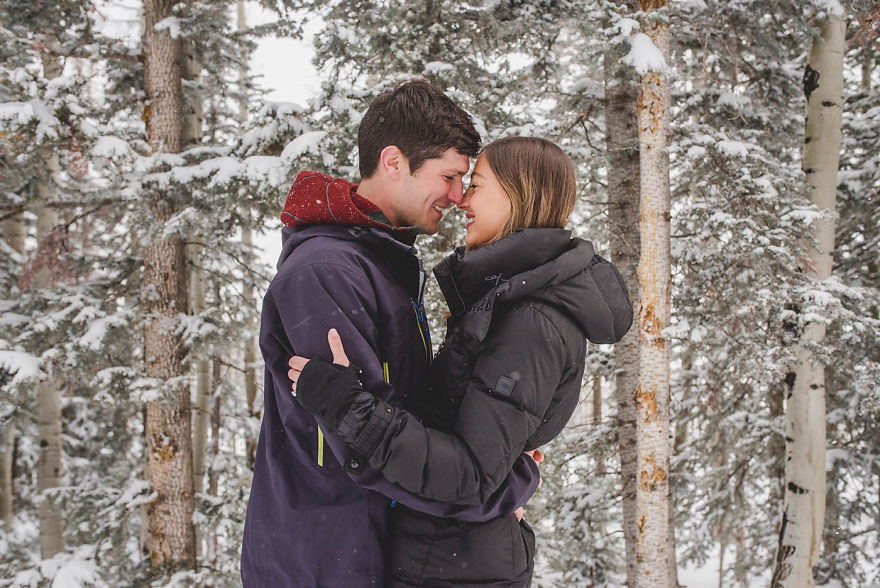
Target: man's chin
(429, 230)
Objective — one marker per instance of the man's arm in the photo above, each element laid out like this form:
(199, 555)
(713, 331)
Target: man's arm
(310, 301)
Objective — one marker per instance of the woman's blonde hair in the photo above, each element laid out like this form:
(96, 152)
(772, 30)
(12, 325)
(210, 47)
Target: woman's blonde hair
(538, 178)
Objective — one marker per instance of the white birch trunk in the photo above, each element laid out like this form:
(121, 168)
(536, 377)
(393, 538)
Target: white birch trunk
(168, 422)
(803, 507)
(654, 562)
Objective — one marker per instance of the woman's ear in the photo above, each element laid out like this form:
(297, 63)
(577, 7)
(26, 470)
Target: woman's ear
(393, 162)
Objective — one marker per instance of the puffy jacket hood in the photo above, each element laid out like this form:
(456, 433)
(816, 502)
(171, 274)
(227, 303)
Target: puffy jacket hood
(547, 265)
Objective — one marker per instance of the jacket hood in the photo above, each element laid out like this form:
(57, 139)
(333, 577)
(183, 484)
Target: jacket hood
(547, 265)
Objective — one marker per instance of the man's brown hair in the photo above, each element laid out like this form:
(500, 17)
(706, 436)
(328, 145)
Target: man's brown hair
(538, 177)
(420, 120)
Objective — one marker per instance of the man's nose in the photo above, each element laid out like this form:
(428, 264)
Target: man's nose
(456, 192)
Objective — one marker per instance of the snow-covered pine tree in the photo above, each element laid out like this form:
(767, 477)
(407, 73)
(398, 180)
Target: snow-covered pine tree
(736, 222)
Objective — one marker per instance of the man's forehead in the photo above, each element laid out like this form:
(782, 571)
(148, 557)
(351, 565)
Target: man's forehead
(452, 162)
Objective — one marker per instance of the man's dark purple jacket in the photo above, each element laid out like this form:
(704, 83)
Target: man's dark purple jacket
(310, 522)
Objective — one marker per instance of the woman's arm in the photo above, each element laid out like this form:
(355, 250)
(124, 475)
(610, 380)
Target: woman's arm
(305, 321)
(522, 361)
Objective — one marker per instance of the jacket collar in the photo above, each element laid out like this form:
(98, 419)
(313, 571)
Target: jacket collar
(316, 198)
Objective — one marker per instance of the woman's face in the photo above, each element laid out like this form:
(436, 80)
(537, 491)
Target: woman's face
(486, 206)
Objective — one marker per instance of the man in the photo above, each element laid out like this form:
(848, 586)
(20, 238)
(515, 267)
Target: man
(315, 518)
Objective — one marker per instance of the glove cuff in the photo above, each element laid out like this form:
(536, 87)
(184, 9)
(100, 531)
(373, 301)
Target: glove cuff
(367, 440)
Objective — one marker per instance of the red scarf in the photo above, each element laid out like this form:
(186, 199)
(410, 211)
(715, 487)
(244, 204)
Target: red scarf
(317, 198)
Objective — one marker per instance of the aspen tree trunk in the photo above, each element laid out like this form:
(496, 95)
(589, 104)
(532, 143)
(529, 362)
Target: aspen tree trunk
(14, 232)
(622, 143)
(597, 419)
(49, 471)
(7, 460)
(247, 238)
(654, 562)
(803, 507)
(168, 426)
(250, 358)
(213, 477)
(191, 136)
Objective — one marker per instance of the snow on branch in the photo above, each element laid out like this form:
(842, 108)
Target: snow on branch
(24, 365)
(644, 55)
(170, 24)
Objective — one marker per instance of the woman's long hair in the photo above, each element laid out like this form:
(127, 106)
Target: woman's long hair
(538, 178)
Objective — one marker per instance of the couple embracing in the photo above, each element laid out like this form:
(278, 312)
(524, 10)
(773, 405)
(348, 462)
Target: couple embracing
(391, 466)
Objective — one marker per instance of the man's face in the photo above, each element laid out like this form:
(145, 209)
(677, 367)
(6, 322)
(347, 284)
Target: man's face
(421, 198)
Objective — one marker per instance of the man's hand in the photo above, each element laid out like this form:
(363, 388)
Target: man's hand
(297, 363)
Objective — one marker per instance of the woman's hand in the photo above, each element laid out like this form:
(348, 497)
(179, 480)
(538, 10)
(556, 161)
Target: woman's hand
(538, 456)
(297, 363)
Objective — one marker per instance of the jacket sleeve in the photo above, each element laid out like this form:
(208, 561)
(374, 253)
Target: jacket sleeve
(315, 298)
(522, 362)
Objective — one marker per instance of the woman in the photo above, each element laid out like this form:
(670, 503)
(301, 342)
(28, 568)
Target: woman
(524, 297)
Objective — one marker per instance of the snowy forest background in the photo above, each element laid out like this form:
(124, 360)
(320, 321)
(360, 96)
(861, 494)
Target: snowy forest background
(94, 196)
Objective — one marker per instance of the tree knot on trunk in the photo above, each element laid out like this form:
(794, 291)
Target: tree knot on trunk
(163, 447)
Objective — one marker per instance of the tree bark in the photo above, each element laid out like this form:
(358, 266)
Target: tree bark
(803, 507)
(248, 295)
(654, 562)
(213, 477)
(191, 136)
(49, 468)
(14, 232)
(168, 422)
(622, 142)
(7, 459)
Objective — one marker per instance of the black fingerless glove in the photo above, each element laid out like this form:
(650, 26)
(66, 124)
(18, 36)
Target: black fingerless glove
(334, 394)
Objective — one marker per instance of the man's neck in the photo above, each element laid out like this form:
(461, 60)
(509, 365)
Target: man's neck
(374, 190)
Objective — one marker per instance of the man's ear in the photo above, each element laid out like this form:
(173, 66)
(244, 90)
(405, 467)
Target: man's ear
(393, 162)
